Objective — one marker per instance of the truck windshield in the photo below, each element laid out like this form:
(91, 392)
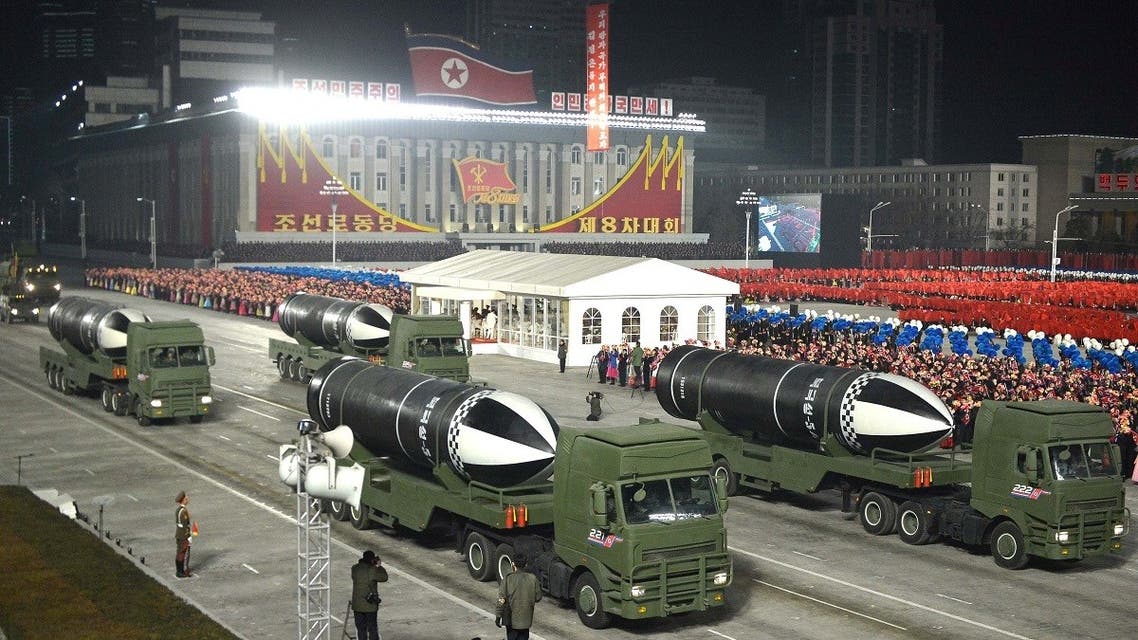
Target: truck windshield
(668, 500)
(188, 356)
(453, 347)
(1082, 461)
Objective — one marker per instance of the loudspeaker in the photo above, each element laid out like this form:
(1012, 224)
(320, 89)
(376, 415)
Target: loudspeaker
(339, 440)
(335, 482)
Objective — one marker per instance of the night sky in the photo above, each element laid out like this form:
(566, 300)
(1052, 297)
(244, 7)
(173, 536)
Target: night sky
(1012, 67)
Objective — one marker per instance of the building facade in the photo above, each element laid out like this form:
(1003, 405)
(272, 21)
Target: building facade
(735, 116)
(548, 34)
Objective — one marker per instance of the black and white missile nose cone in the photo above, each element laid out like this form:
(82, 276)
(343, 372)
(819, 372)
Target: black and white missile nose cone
(369, 326)
(111, 332)
(881, 410)
(502, 438)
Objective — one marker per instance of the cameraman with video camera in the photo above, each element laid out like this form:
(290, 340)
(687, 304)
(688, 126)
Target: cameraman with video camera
(594, 399)
(366, 574)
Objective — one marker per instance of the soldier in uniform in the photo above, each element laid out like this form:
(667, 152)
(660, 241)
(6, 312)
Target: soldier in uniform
(182, 535)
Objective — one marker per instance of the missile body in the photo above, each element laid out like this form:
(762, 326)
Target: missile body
(490, 436)
(91, 325)
(345, 325)
(783, 401)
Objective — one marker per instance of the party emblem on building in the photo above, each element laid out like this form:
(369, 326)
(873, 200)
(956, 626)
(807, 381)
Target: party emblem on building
(485, 182)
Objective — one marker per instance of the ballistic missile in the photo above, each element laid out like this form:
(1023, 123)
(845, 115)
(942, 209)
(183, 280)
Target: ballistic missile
(91, 325)
(345, 325)
(486, 435)
(800, 402)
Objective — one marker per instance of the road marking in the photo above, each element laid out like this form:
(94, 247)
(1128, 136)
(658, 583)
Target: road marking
(89, 471)
(273, 458)
(829, 604)
(954, 599)
(263, 415)
(469, 606)
(807, 555)
(52, 449)
(880, 594)
(244, 348)
(226, 438)
(721, 635)
(250, 568)
(252, 397)
(131, 497)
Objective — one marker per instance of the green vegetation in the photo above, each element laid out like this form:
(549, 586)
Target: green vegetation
(60, 581)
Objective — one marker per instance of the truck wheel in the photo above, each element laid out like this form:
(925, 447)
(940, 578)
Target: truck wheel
(914, 523)
(282, 366)
(196, 419)
(1008, 548)
(479, 554)
(360, 517)
(339, 511)
(136, 408)
(105, 398)
(503, 561)
(305, 374)
(722, 468)
(119, 403)
(294, 370)
(587, 598)
(878, 514)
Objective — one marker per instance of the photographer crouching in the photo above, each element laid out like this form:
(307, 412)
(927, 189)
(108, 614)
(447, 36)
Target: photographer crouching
(594, 399)
(366, 574)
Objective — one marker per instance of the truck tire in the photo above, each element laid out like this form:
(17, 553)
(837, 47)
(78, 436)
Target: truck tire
(915, 525)
(136, 408)
(1008, 548)
(105, 399)
(503, 561)
(294, 370)
(479, 554)
(282, 366)
(878, 514)
(119, 403)
(305, 374)
(197, 419)
(587, 599)
(361, 517)
(339, 511)
(721, 467)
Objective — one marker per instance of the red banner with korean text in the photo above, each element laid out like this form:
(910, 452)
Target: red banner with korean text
(647, 199)
(597, 76)
(289, 177)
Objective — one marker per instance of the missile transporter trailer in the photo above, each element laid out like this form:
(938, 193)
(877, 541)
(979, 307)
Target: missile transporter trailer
(151, 370)
(324, 328)
(24, 290)
(1042, 478)
(631, 524)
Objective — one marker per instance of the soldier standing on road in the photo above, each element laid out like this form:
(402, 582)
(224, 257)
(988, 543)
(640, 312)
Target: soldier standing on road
(562, 353)
(366, 574)
(182, 535)
(521, 592)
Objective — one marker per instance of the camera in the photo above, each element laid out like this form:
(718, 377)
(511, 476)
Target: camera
(594, 394)
(373, 598)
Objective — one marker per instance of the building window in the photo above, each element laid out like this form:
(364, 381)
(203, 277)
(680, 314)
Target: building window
(329, 150)
(705, 324)
(999, 206)
(630, 325)
(575, 186)
(1025, 177)
(1000, 192)
(548, 213)
(591, 329)
(598, 186)
(402, 210)
(669, 324)
(427, 175)
(355, 148)
(999, 222)
(430, 216)
(501, 213)
(575, 155)
(381, 182)
(525, 213)
(380, 149)
(1026, 192)
(1000, 177)
(402, 177)
(1023, 222)
(622, 156)
(354, 180)
(598, 157)
(453, 213)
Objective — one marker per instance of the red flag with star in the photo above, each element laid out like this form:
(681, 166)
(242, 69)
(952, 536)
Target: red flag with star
(446, 66)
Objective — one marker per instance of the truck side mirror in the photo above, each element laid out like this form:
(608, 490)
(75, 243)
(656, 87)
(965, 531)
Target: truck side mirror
(598, 494)
(721, 492)
(209, 356)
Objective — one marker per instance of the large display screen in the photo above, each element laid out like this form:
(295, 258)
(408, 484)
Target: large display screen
(787, 222)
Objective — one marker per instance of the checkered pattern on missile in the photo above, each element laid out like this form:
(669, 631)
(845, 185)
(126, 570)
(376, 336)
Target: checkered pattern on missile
(845, 412)
(456, 423)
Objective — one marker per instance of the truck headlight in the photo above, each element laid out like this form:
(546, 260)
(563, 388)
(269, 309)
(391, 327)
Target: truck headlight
(30, 287)
(1120, 529)
(57, 287)
(207, 400)
(719, 579)
(156, 403)
(638, 591)
(1062, 536)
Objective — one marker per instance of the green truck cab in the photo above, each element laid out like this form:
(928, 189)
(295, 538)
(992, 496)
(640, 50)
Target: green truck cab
(428, 344)
(25, 289)
(630, 526)
(161, 372)
(1040, 479)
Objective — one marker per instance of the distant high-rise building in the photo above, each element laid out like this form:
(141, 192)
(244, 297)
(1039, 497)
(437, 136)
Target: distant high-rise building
(66, 42)
(125, 37)
(547, 34)
(735, 116)
(875, 79)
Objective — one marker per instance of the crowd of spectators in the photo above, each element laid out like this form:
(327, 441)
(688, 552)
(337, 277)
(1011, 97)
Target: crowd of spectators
(255, 293)
(346, 251)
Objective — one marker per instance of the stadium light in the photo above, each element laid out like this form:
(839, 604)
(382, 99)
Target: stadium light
(333, 187)
(1055, 239)
(869, 231)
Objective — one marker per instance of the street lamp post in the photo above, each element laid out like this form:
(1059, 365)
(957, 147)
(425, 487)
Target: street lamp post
(1055, 239)
(747, 199)
(82, 227)
(869, 229)
(333, 187)
(153, 234)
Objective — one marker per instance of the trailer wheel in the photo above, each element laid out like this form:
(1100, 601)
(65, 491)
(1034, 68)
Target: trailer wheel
(360, 517)
(915, 523)
(294, 370)
(503, 560)
(479, 554)
(305, 374)
(722, 468)
(339, 511)
(878, 514)
(1008, 548)
(105, 398)
(587, 598)
(282, 366)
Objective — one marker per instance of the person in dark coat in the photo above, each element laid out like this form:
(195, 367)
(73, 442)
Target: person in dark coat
(602, 363)
(622, 367)
(1127, 447)
(366, 574)
(521, 591)
(562, 353)
(182, 532)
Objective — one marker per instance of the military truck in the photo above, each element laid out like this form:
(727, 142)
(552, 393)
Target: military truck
(1040, 479)
(25, 289)
(631, 524)
(135, 366)
(323, 329)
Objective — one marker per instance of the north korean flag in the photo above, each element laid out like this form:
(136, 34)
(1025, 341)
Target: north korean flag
(446, 66)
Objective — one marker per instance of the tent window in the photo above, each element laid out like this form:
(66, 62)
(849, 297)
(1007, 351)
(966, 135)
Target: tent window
(669, 324)
(630, 325)
(591, 327)
(705, 324)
